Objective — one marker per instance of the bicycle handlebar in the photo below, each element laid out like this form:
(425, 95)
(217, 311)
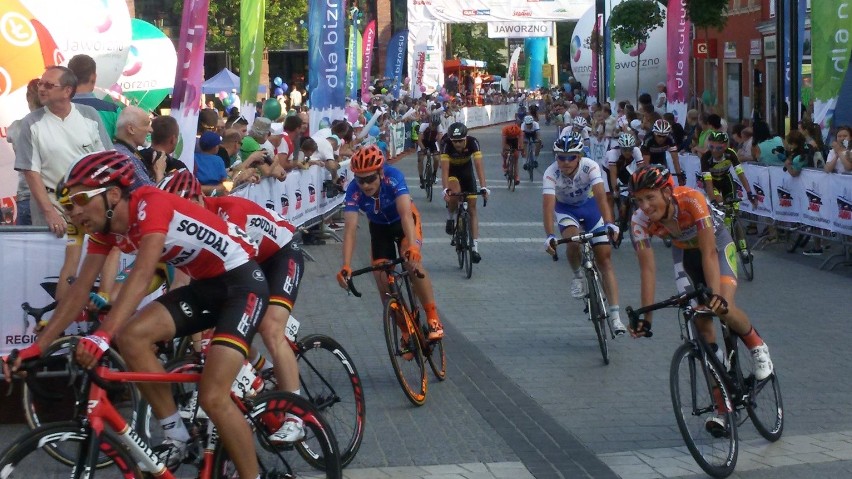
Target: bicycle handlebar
(383, 266)
(702, 293)
(469, 193)
(581, 238)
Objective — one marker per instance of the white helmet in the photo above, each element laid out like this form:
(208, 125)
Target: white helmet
(626, 140)
(580, 122)
(528, 120)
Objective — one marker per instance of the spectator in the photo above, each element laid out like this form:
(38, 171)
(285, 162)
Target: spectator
(276, 137)
(260, 130)
(744, 138)
(230, 146)
(691, 130)
(839, 158)
(22, 198)
(131, 132)
(295, 97)
(713, 122)
(209, 169)
(799, 153)
(678, 133)
(208, 120)
(768, 150)
(85, 69)
(158, 158)
(662, 101)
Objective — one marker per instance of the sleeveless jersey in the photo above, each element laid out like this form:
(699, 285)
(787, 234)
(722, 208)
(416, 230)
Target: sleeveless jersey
(198, 242)
(265, 227)
(572, 191)
(382, 208)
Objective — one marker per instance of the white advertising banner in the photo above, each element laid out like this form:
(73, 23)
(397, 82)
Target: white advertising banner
(816, 211)
(520, 29)
(788, 196)
(838, 202)
(482, 11)
(426, 57)
(758, 178)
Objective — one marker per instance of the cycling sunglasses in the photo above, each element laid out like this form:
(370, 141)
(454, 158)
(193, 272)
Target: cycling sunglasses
(364, 180)
(567, 157)
(82, 198)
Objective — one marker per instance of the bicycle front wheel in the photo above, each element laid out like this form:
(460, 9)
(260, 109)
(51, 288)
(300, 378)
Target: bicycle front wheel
(530, 160)
(598, 312)
(510, 173)
(762, 398)
(743, 249)
(429, 176)
(461, 241)
(318, 448)
(468, 246)
(30, 455)
(331, 383)
(702, 407)
(405, 353)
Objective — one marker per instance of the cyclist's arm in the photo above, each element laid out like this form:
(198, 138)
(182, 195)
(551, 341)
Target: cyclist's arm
(548, 205)
(108, 273)
(709, 258)
(350, 230)
(741, 174)
(613, 179)
(480, 171)
(73, 252)
(603, 205)
(406, 219)
(676, 163)
(73, 301)
(135, 288)
(445, 170)
(708, 185)
(647, 277)
(646, 159)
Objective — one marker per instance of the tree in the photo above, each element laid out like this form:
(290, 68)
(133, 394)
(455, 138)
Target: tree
(470, 40)
(706, 14)
(282, 26)
(631, 23)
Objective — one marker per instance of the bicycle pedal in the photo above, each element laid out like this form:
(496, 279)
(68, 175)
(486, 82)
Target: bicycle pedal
(452, 242)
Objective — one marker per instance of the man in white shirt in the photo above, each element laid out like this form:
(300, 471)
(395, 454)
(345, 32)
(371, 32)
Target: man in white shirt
(295, 97)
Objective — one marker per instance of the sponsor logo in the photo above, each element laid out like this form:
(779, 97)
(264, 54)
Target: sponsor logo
(250, 313)
(298, 200)
(20, 339)
(702, 48)
(285, 205)
(141, 214)
(269, 205)
(844, 208)
(205, 235)
(263, 225)
(312, 194)
(258, 275)
(186, 309)
(814, 200)
(475, 13)
(522, 13)
(785, 198)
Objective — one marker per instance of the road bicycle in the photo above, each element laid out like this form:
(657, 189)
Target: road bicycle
(624, 208)
(530, 164)
(328, 379)
(708, 385)
(463, 232)
(406, 331)
(511, 167)
(430, 172)
(99, 430)
(596, 305)
(731, 209)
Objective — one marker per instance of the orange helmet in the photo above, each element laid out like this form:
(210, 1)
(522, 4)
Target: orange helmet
(367, 159)
(513, 131)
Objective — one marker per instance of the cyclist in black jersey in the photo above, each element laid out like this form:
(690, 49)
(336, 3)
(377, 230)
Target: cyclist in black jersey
(655, 147)
(716, 166)
(429, 141)
(460, 157)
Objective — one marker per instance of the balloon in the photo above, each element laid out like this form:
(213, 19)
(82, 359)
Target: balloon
(222, 95)
(278, 91)
(374, 130)
(232, 97)
(366, 97)
(272, 109)
(227, 101)
(285, 87)
(351, 114)
(384, 90)
(422, 88)
(277, 81)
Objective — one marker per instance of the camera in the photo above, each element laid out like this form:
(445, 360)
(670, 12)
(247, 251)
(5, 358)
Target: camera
(846, 143)
(267, 158)
(332, 188)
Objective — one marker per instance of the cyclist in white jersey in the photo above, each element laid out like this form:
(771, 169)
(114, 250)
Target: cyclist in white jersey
(573, 193)
(530, 129)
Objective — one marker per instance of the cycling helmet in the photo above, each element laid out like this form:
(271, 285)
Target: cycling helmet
(580, 122)
(653, 177)
(98, 169)
(458, 131)
(435, 120)
(661, 127)
(718, 136)
(568, 144)
(528, 120)
(182, 183)
(367, 159)
(513, 130)
(626, 140)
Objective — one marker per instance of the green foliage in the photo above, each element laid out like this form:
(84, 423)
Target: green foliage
(706, 14)
(631, 22)
(470, 40)
(281, 29)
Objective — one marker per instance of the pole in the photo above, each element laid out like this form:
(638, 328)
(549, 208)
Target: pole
(795, 67)
(780, 67)
(600, 15)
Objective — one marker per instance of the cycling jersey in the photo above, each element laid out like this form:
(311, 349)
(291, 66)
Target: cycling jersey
(429, 136)
(719, 169)
(656, 151)
(198, 242)
(624, 166)
(269, 230)
(381, 208)
(692, 213)
(461, 157)
(530, 131)
(511, 140)
(572, 191)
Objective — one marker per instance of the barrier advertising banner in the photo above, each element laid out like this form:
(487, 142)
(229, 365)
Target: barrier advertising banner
(838, 202)
(788, 196)
(326, 61)
(758, 178)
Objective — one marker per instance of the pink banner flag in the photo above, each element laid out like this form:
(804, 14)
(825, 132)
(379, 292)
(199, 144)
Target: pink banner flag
(677, 84)
(187, 97)
(596, 43)
(369, 42)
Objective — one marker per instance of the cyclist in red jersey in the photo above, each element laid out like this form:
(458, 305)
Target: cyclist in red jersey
(217, 255)
(282, 263)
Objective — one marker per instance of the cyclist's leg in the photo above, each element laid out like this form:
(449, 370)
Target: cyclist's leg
(423, 285)
(421, 153)
(569, 225)
(515, 155)
(505, 156)
(382, 248)
(453, 202)
(688, 273)
(467, 182)
(603, 258)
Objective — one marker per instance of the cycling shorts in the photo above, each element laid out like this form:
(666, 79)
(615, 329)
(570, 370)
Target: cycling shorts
(283, 271)
(725, 187)
(387, 239)
(584, 214)
(236, 301)
(464, 175)
(689, 272)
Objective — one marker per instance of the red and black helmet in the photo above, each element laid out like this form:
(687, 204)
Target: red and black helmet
(367, 159)
(98, 169)
(182, 183)
(651, 177)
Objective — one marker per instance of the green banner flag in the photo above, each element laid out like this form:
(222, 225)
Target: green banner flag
(830, 46)
(252, 18)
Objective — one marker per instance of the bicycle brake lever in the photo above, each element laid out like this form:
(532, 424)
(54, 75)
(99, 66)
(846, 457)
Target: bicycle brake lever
(351, 288)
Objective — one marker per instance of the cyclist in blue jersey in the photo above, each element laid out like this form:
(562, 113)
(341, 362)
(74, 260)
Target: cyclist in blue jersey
(381, 193)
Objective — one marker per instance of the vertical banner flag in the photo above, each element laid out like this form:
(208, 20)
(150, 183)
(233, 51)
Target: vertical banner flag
(352, 54)
(186, 96)
(359, 62)
(326, 56)
(367, 55)
(596, 45)
(610, 64)
(831, 43)
(252, 18)
(395, 59)
(677, 33)
(800, 51)
(535, 50)
(513, 66)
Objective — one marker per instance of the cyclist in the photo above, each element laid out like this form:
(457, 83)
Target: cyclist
(622, 162)
(215, 254)
(580, 126)
(531, 129)
(716, 164)
(573, 190)
(459, 157)
(702, 251)
(654, 149)
(379, 190)
(281, 261)
(521, 113)
(511, 139)
(427, 142)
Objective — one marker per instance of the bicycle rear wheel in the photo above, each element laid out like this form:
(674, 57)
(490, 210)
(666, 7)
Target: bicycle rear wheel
(429, 176)
(331, 383)
(746, 258)
(510, 173)
(530, 159)
(434, 352)
(406, 356)
(51, 400)
(598, 312)
(763, 398)
(692, 384)
(286, 460)
(30, 455)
